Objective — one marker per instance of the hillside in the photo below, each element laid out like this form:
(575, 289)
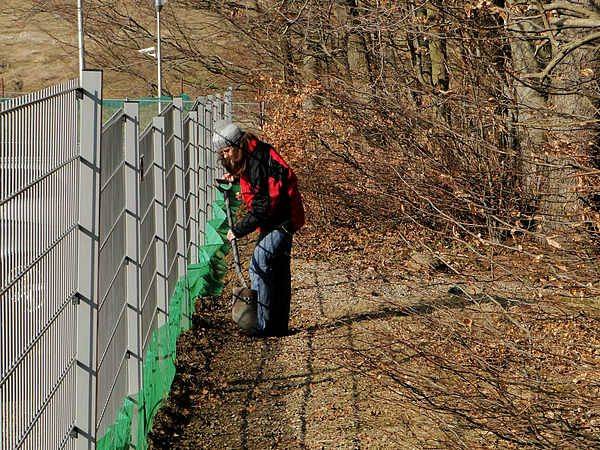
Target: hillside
(30, 58)
(38, 49)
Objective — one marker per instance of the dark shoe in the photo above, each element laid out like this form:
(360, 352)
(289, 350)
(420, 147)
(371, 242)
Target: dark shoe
(280, 332)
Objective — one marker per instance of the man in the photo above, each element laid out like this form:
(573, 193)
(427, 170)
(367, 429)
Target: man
(269, 189)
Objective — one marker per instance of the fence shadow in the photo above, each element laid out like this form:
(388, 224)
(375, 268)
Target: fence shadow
(418, 309)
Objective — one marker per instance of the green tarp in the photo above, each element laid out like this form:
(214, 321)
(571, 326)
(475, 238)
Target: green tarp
(203, 278)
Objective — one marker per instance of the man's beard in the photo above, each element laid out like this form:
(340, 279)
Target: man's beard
(226, 162)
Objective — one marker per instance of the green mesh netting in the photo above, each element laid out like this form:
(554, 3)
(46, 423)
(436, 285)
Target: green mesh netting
(118, 435)
(203, 278)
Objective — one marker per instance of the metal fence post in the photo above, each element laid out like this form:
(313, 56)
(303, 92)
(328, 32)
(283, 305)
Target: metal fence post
(180, 193)
(218, 116)
(202, 166)
(132, 242)
(210, 158)
(88, 250)
(229, 104)
(160, 211)
(194, 150)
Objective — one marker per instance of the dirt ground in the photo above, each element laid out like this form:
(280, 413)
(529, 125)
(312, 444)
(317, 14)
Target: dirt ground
(38, 50)
(300, 391)
(317, 387)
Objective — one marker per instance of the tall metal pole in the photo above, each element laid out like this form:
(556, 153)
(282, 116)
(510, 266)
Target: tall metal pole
(158, 56)
(80, 34)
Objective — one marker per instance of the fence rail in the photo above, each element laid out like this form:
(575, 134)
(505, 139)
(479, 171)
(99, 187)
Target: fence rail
(98, 224)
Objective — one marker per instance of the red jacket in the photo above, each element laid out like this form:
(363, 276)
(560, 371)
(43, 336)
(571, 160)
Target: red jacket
(269, 188)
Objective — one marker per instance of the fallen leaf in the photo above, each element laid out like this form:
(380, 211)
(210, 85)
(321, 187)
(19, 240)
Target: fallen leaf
(552, 243)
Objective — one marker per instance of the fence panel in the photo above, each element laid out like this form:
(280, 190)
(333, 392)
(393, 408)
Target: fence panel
(97, 226)
(221, 116)
(170, 199)
(148, 234)
(228, 108)
(132, 249)
(191, 170)
(208, 127)
(38, 220)
(160, 207)
(203, 171)
(112, 308)
(180, 189)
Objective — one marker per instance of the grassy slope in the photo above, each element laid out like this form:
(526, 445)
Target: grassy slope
(32, 56)
(29, 57)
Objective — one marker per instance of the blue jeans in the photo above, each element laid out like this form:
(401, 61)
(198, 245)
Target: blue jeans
(271, 279)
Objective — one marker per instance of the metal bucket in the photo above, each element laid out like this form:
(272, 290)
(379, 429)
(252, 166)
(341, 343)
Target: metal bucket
(243, 311)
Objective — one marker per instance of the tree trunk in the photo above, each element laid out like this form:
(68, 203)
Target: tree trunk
(529, 103)
(552, 109)
(440, 81)
(572, 108)
(360, 69)
(427, 45)
(311, 57)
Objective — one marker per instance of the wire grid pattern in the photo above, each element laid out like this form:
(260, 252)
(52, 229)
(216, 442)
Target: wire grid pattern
(203, 163)
(38, 270)
(170, 198)
(39, 190)
(148, 234)
(147, 107)
(190, 179)
(218, 116)
(112, 317)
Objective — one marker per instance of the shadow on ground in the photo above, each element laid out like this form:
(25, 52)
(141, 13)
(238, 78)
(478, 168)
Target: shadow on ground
(297, 392)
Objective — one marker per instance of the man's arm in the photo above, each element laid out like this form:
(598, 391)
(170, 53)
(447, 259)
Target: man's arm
(258, 215)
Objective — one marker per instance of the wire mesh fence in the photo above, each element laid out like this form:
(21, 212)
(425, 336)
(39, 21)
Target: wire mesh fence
(99, 223)
(38, 219)
(148, 107)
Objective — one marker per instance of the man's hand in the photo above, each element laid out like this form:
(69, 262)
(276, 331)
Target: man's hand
(229, 177)
(230, 236)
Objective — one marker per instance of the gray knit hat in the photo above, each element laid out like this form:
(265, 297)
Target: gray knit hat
(226, 134)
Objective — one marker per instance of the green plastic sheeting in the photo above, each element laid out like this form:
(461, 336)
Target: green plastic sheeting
(203, 278)
(119, 433)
